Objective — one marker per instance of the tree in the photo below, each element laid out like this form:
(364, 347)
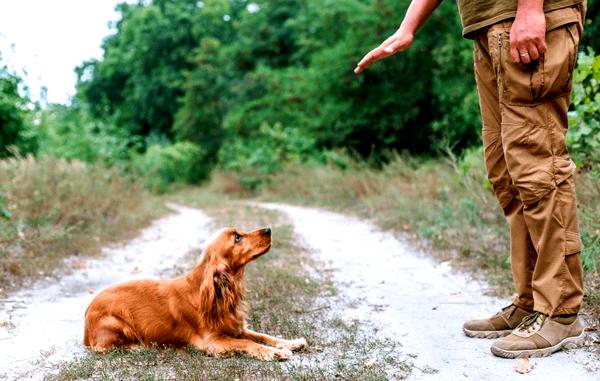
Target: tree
(13, 112)
(398, 104)
(591, 32)
(217, 70)
(141, 75)
(206, 99)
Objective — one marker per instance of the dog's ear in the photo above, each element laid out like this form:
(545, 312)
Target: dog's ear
(220, 294)
(222, 283)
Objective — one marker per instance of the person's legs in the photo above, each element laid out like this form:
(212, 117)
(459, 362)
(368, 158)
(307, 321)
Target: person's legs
(534, 104)
(522, 252)
(526, 159)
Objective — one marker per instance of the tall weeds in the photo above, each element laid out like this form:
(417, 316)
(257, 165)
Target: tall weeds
(51, 208)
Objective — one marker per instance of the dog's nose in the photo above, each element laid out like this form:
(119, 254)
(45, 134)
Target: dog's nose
(267, 231)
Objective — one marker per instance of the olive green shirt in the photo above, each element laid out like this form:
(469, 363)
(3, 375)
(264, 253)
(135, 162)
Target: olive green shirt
(477, 14)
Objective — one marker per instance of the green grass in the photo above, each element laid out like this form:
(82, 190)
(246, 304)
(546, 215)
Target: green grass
(51, 209)
(289, 296)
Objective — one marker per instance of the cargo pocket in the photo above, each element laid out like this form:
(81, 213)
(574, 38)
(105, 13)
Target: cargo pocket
(549, 76)
(528, 152)
(559, 61)
(523, 84)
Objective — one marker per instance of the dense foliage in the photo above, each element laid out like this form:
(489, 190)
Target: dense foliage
(251, 84)
(584, 134)
(13, 115)
(592, 26)
(215, 73)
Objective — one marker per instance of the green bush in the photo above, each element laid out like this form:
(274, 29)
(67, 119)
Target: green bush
(253, 160)
(583, 137)
(13, 111)
(70, 132)
(177, 163)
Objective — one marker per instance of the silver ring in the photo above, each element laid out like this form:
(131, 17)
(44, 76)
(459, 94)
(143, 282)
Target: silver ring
(524, 54)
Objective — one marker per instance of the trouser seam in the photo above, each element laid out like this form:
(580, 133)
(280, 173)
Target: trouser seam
(523, 305)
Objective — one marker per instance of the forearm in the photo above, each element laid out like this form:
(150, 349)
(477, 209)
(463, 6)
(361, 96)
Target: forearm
(418, 12)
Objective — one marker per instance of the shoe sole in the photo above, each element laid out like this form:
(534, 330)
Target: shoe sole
(486, 334)
(568, 343)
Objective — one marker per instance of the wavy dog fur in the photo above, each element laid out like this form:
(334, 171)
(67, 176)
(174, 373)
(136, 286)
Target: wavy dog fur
(204, 308)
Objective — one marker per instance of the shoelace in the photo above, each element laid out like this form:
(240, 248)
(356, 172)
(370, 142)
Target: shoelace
(529, 321)
(514, 308)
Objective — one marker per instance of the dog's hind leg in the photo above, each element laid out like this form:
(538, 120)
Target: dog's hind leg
(105, 339)
(292, 345)
(222, 345)
(109, 333)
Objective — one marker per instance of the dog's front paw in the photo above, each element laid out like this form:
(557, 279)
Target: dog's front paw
(293, 345)
(283, 354)
(279, 354)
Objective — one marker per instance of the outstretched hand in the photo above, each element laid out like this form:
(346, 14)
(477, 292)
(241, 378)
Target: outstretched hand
(418, 11)
(397, 42)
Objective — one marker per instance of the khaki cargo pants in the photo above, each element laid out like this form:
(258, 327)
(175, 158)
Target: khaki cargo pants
(524, 112)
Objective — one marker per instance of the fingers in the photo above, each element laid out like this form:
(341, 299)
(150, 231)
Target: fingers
(514, 54)
(527, 52)
(368, 59)
(542, 46)
(524, 57)
(527, 55)
(533, 53)
(374, 55)
(393, 44)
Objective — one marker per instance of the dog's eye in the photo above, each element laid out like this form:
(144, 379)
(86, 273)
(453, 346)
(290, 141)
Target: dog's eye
(238, 238)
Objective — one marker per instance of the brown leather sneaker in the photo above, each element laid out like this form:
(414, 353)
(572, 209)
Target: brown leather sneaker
(499, 325)
(538, 336)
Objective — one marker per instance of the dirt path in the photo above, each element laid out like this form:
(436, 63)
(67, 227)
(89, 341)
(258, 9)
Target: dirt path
(418, 302)
(409, 298)
(43, 325)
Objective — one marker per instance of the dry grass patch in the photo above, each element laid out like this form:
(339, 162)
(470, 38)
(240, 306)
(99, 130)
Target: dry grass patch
(51, 209)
